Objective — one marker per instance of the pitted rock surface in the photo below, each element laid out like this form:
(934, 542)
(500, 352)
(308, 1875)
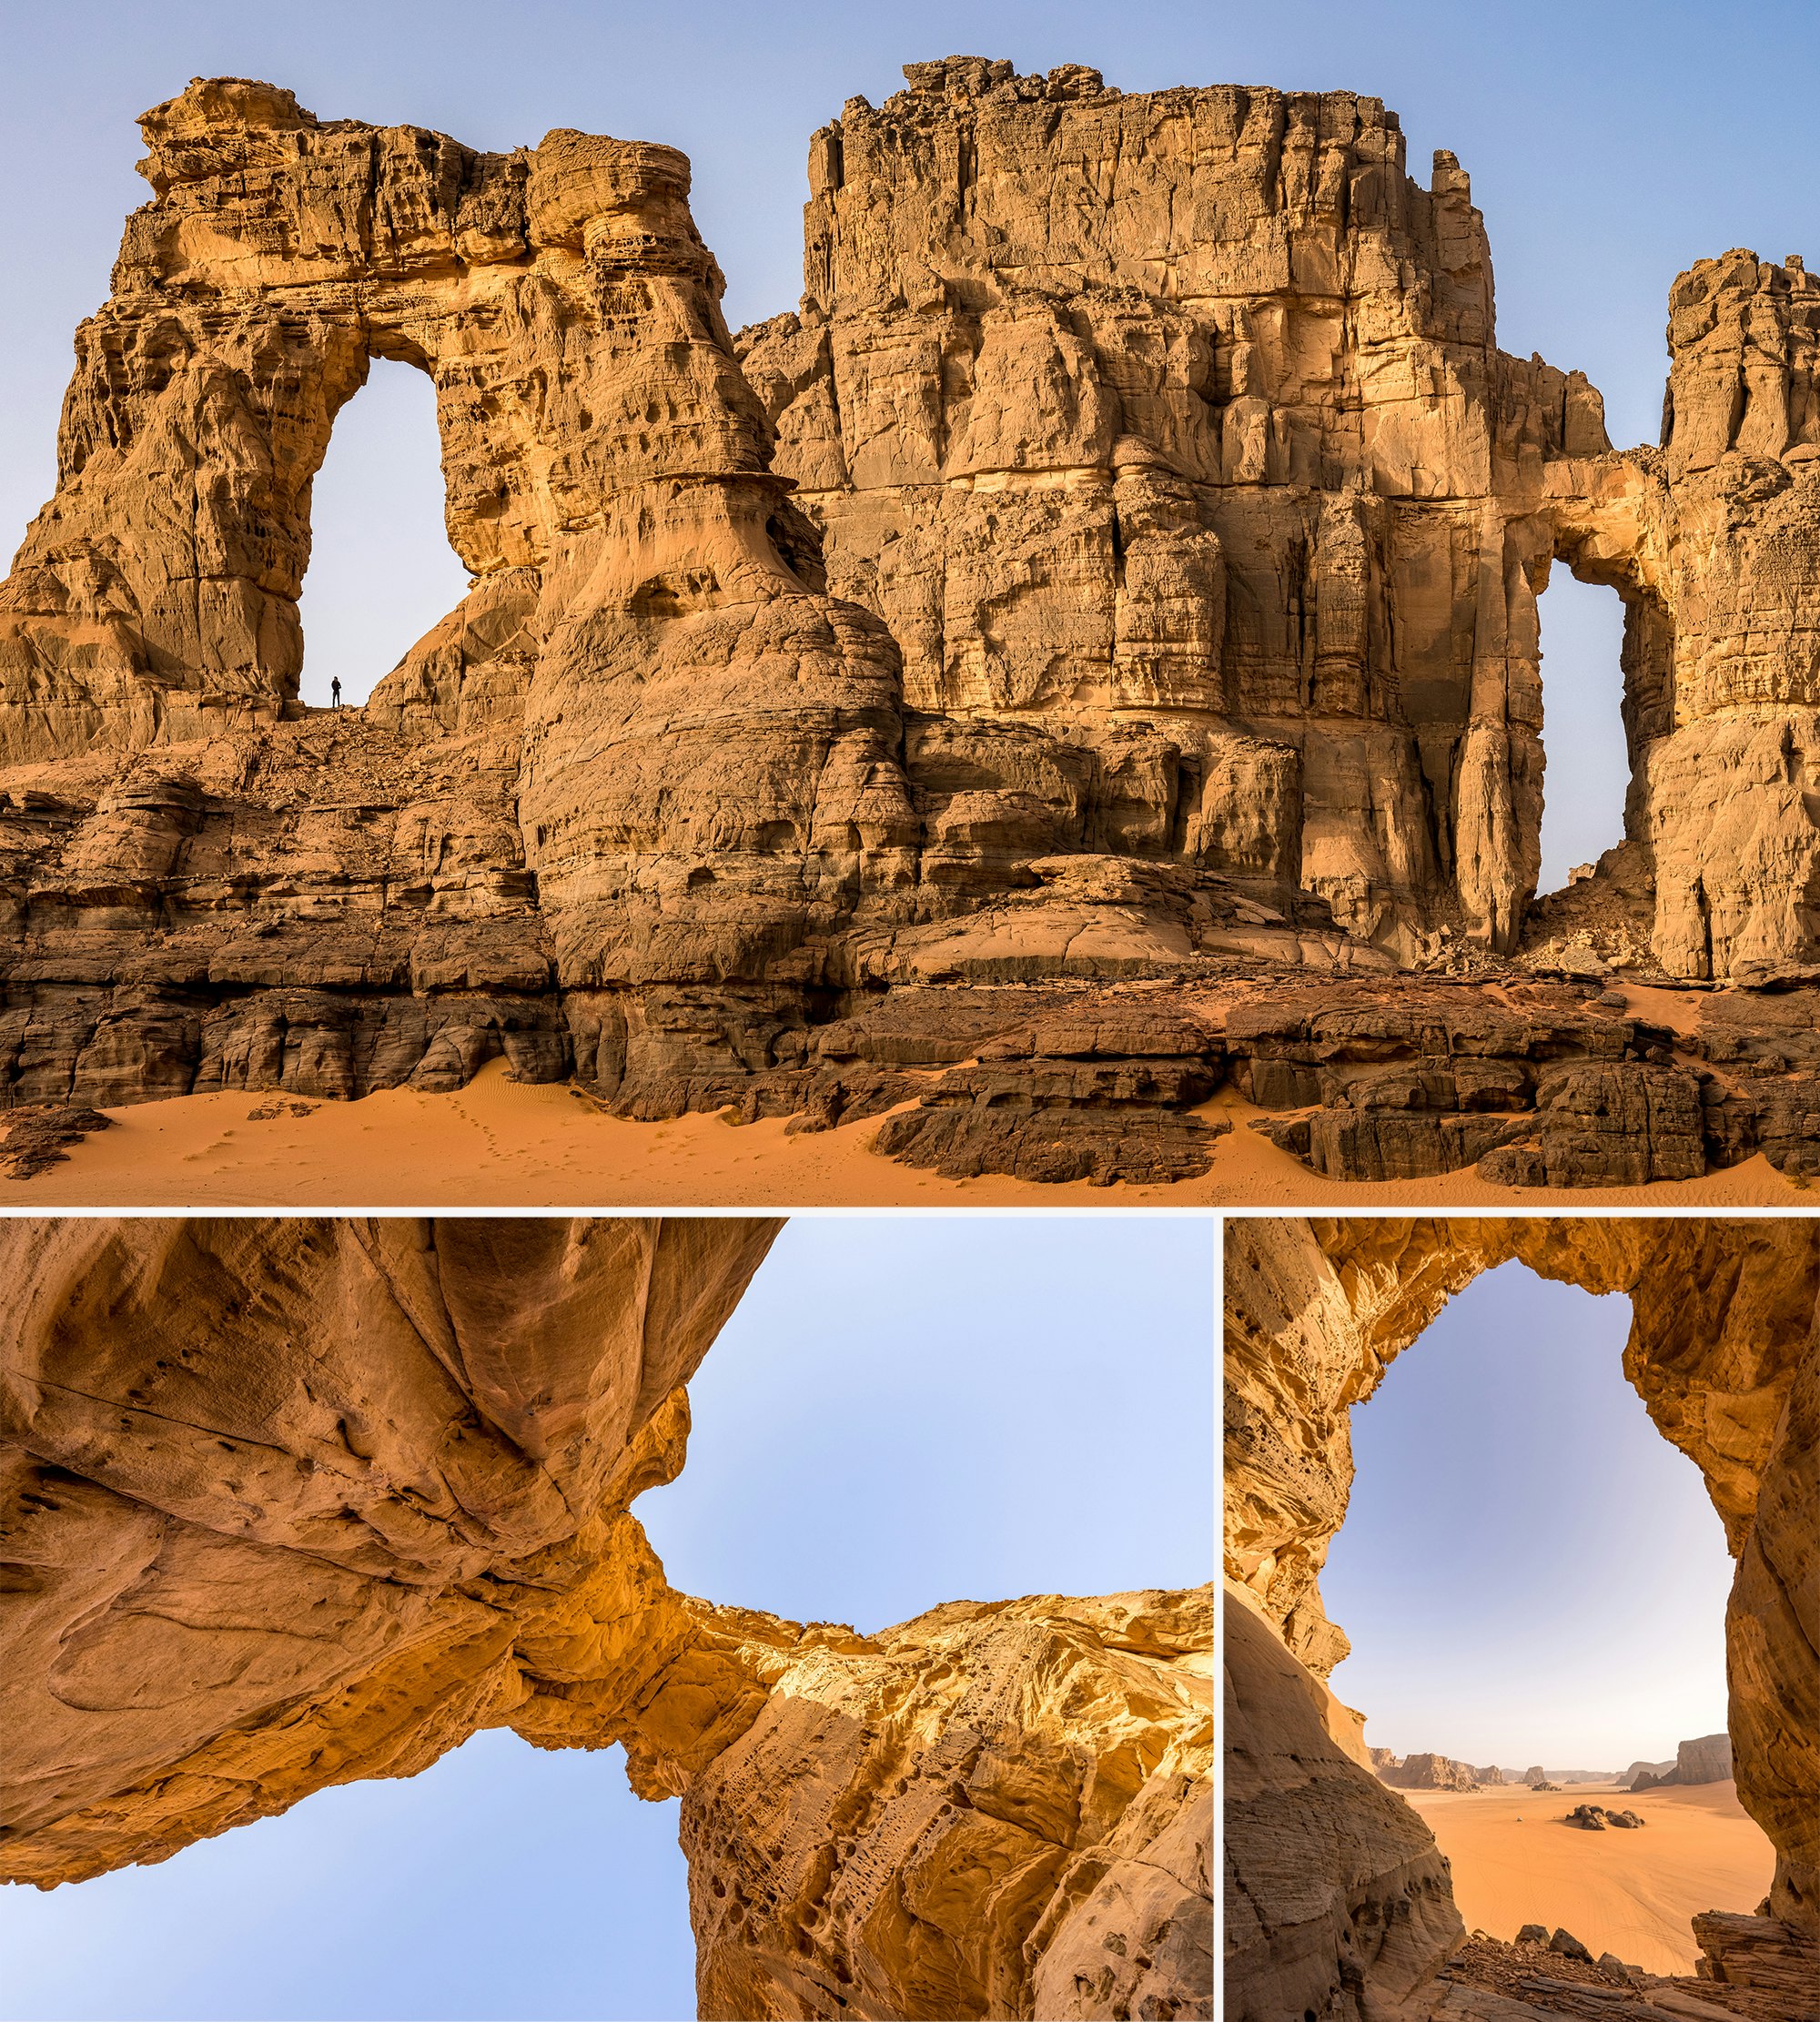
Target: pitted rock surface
(1119, 574)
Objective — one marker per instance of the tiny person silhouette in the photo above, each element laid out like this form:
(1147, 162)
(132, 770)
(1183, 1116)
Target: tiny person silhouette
(335, 693)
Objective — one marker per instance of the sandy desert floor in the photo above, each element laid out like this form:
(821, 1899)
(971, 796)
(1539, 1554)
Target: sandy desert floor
(1632, 1892)
(498, 1143)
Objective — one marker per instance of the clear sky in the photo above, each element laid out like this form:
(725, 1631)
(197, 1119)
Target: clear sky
(1609, 146)
(1529, 1571)
(902, 1410)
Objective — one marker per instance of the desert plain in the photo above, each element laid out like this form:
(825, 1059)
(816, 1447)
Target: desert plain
(1514, 1860)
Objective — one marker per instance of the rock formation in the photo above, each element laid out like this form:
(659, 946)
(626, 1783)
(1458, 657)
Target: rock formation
(1595, 1819)
(1705, 1761)
(290, 1505)
(1072, 661)
(1424, 1772)
(1724, 1353)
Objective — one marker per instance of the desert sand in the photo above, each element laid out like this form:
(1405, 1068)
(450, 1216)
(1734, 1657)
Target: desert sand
(1633, 1892)
(499, 1143)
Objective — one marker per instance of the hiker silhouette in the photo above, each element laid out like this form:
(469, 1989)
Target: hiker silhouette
(335, 693)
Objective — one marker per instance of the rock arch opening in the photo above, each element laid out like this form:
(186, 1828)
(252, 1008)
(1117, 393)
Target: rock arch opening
(381, 571)
(1587, 779)
(1531, 1577)
(1334, 1884)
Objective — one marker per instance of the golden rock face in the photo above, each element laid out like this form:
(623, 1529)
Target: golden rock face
(1724, 1353)
(294, 1504)
(1121, 569)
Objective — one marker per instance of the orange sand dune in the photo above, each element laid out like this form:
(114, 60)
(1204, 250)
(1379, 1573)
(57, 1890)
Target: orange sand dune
(498, 1143)
(1632, 1892)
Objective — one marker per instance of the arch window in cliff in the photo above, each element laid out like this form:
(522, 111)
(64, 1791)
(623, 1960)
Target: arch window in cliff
(1532, 1576)
(381, 572)
(1588, 771)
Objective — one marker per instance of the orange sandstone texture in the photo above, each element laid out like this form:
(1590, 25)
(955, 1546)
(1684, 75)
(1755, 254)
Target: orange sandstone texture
(1335, 1900)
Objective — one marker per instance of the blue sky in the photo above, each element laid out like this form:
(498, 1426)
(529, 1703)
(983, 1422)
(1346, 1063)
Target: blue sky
(1529, 1571)
(1610, 146)
(901, 1412)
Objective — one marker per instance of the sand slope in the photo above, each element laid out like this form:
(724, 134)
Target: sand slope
(498, 1143)
(1632, 1892)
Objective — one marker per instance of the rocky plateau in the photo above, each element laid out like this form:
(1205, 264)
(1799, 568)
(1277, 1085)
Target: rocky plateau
(1338, 1903)
(1083, 659)
(288, 1504)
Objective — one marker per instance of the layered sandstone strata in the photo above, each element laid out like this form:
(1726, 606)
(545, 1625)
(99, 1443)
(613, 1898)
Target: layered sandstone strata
(1121, 571)
(291, 1505)
(1724, 1353)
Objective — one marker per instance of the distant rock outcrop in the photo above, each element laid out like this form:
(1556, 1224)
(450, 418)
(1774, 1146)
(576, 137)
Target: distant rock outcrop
(1707, 1759)
(1595, 1818)
(1428, 1772)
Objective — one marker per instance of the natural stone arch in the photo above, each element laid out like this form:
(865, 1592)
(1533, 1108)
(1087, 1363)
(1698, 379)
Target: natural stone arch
(605, 467)
(559, 297)
(287, 1505)
(1723, 1351)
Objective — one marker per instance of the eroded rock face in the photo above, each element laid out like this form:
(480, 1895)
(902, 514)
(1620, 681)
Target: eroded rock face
(289, 1504)
(1336, 1896)
(1724, 1352)
(987, 1811)
(1173, 426)
(1119, 574)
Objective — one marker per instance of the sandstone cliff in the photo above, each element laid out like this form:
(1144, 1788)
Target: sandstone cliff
(1723, 1351)
(1705, 1761)
(1068, 663)
(290, 1505)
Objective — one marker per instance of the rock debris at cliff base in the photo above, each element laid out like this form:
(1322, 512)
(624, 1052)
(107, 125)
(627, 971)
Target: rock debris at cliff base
(1115, 582)
(288, 1504)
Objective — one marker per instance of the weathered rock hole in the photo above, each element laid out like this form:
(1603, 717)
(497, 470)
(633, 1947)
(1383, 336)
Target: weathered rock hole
(1572, 1603)
(1581, 627)
(381, 572)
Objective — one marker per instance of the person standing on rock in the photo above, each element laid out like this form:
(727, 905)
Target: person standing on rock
(335, 693)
